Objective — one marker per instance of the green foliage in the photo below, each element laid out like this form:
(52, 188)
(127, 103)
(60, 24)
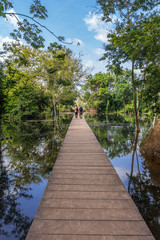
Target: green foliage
(37, 80)
(135, 39)
(108, 92)
(4, 5)
(38, 10)
(151, 90)
(25, 97)
(139, 42)
(33, 147)
(128, 10)
(115, 133)
(31, 33)
(26, 101)
(68, 96)
(123, 94)
(2, 89)
(97, 90)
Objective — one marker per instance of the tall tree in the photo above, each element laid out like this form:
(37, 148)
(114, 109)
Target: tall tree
(63, 73)
(29, 28)
(124, 42)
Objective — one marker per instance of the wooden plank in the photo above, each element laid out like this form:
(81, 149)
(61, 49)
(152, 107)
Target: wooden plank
(90, 171)
(84, 188)
(88, 214)
(126, 228)
(110, 180)
(85, 195)
(86, 237)
(88, 203)
(84, 198)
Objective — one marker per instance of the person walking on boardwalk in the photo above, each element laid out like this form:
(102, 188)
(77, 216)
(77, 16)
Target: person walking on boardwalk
(80, 111)
(76, 111)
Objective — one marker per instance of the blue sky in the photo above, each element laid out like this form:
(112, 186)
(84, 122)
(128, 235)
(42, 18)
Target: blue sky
(76, 21)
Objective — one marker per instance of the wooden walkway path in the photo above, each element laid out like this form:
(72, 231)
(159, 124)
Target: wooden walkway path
(84, 198)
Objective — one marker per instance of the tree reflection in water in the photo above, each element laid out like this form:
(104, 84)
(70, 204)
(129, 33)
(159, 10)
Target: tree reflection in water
(117, 136)
(144, 192)
(28, 151)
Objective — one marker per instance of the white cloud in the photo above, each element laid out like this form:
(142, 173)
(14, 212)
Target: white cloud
(138, 71)
(99, 51)
(13, 19)
(75, 41)
(93, 21)
(78, 42)
(6, 39)
(1, 42)
(89, 64)
(102, 35)
(122, 172)
(95, 24)
(115, 19)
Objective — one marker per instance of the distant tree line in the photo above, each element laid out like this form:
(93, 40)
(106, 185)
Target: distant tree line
(113, 92)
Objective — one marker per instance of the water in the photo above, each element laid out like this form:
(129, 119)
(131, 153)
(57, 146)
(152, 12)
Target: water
(116, 135)
(28, 152)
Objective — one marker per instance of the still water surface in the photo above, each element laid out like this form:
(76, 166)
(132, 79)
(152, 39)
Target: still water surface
(28, 152)
(116, 135)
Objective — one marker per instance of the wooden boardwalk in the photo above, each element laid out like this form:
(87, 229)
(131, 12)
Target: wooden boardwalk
(84, 198)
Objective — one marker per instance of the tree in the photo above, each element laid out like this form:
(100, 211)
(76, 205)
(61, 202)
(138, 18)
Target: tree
(63, 73)
(29, 29)
(37, 79)
(2, 87)
(30, 32)
(122, 92)
(108, 92)
(97, 90)
(25, 95)
(149, 90)
(124, 42)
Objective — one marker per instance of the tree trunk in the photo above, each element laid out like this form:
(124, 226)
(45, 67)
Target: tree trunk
(1, 164)
(53, 112)
(135, 98)
(137, 105)
(133, 156)
(54, 104)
